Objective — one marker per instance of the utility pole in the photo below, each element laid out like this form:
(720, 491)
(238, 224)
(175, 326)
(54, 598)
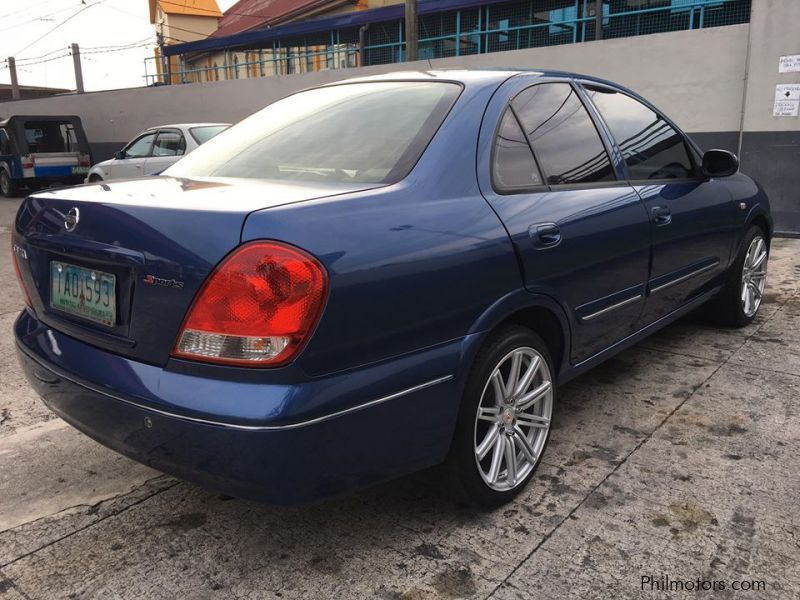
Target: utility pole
(412, 30)
(12, 67)
(76, 61)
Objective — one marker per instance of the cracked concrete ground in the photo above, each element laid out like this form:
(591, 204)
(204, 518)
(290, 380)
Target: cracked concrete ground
(676, 458)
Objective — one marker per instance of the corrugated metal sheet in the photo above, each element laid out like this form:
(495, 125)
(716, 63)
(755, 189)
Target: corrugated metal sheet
(251, 14)
(256, 37)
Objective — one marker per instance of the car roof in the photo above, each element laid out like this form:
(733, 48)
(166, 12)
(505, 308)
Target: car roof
(493, 75)
(187, 125)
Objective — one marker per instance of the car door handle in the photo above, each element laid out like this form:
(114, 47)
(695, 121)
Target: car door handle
(545, 235)
(661, 215)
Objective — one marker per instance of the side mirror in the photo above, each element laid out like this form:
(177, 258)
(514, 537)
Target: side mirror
(119, 154)
(720, 163)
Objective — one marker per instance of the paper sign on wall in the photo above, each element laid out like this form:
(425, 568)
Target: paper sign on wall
(787, 100)
(789, 64)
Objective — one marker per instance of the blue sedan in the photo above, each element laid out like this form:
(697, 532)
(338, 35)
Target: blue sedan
(373, 277)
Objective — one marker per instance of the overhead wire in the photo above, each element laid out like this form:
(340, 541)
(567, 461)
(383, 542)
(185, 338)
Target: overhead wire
(67, 53)
(61, 24)
(226, 13)
(121, 10)
(42, 17)
(26, 8)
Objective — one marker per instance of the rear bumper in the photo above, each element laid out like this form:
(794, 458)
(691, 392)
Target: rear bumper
(268, 459)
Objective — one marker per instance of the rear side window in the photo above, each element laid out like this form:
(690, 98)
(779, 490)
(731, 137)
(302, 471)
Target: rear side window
(513, 166)
(652, 149)
(202, 134)
(564, 138)
(50, 136)
(169, 143)
(5, 144)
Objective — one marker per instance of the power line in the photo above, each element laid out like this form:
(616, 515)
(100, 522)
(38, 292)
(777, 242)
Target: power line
(39, 18)
(127, 12)
(224, 14)
(205, 35)
(84, 50)
(62, 23)
(208, 10)
(142, 41)
(23, 66)
(26, 9)
(229, 12)
(89, 52)
(121, 49)
(202, 33)
(22, 60)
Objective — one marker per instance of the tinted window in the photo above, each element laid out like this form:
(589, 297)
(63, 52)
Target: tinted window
(5, 145)
(513, 166)
(363, 132)
(651, 147)
(50, 136)
(564, 138)
(169, 143)
(140, 147)
(202, 134)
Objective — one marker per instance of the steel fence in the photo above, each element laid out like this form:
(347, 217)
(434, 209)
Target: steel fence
(494, 27)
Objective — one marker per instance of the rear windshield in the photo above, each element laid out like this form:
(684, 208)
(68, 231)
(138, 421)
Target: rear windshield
(202, 134)
(50, 136)
(364, 132)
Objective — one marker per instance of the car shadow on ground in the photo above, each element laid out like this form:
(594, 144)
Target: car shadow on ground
(599, 419)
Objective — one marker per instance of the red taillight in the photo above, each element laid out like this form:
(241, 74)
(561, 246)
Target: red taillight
(27, 162)
(257, 308)
(84, 160)
(15, 260)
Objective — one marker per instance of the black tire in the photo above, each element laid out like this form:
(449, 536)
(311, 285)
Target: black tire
(467, 481)
(94, 178)
(727, 308)
(7, 186)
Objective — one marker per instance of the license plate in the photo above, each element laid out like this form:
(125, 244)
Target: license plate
(87, 293)
(80, 170)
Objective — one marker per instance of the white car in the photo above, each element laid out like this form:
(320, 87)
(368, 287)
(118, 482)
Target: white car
(154, 150)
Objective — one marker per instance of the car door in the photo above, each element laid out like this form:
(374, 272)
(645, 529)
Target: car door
(692, 217)
(168, 148)
(581, 233)
(135, 155)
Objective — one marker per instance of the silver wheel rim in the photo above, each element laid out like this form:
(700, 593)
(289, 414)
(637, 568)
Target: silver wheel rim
(513, 419)
(4, 183)
(754, 276)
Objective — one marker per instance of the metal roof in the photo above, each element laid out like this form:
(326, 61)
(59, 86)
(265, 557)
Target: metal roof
(260, 37)
(252, 14)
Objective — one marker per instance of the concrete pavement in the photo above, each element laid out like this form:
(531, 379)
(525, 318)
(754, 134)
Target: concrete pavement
(677, 458)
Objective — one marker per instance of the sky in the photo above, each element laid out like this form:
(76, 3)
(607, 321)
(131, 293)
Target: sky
(115, 36)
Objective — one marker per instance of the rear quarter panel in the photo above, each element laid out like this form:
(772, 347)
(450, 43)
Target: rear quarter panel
(411, 265)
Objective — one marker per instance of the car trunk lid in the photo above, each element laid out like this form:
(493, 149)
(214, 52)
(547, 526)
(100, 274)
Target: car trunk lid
(154, 241)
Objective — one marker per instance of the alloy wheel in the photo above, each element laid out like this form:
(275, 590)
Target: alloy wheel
(513, 419)
(754, 276)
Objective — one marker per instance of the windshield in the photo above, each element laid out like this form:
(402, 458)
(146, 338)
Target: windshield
(202, 134)
(363, 132)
